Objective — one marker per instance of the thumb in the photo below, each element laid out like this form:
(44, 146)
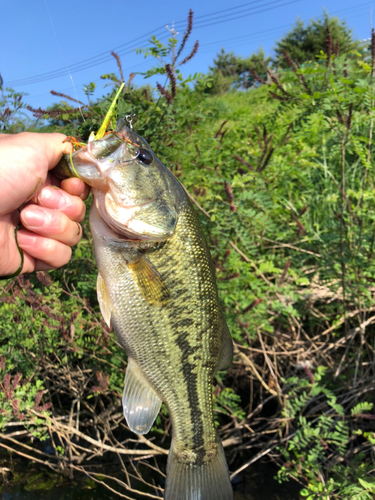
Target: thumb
(25, 160)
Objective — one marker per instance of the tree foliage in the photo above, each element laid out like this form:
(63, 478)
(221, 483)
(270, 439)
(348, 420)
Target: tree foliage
(233, 71)
(305, 41)
(12, 109)
(283, 183)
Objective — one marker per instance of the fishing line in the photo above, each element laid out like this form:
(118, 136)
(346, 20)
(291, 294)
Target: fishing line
(371, 17)
(62, 57)
(86, 63)
(30, 98)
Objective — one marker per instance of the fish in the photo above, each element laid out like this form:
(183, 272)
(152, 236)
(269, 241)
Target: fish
(156, 286)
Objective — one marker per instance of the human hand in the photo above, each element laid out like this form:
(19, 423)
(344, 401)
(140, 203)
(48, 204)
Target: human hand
(50, 219)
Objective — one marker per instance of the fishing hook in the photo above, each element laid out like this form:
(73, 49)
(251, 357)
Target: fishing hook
(129, 119)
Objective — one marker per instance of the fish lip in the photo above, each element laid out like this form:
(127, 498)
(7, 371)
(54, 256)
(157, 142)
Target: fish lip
(122, 230)
(127, 207)
(128, 234)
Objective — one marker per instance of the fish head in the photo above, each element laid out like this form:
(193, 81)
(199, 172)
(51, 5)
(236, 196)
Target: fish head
(134, 192)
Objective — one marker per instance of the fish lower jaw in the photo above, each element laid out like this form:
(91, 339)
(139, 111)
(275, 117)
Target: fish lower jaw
(125, 231)
(131, 228)
(122, 219)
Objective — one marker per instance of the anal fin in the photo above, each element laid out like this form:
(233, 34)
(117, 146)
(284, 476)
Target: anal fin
(226, 353)
(140, 402)
(104, 300)
(149, 281)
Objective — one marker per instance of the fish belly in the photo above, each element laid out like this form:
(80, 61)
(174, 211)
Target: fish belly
(175, 344)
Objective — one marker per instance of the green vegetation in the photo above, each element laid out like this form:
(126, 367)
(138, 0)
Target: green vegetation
(230, 71)
(303, 43)
(282, 178)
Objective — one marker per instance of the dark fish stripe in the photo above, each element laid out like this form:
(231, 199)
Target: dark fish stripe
(189, 324)
(191, 381)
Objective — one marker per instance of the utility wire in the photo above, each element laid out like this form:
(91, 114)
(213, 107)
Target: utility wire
(250, 36)
(98, 80)
(196, 18)
(93, 61)
(98, 59)
(125, 49)
(129, 46)
(239, 15)
(207, 46)
(121, 47)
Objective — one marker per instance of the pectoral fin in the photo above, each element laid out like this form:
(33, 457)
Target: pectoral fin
(140, 402)
(149, 281)
(104, 300)
(226, 354)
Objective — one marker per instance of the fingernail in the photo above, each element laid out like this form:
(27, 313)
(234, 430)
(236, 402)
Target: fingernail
(51, 197)
(34, 217)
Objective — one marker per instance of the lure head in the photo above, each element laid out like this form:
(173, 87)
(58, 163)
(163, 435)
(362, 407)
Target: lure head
(134, 193)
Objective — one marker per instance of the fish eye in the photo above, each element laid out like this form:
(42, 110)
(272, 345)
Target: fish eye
(145, 156)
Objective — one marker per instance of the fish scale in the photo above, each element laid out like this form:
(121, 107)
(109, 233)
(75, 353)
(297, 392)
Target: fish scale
(157, 288)
(175, 331)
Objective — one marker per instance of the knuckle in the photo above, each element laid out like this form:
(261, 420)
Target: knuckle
(81, 212)
(67, 255)
(56, 253)
(49, 246)
(65, 223)
(78, 235)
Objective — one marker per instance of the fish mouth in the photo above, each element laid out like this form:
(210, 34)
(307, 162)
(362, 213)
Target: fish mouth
(123, 220)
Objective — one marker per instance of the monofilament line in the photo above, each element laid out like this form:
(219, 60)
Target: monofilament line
(62, 57)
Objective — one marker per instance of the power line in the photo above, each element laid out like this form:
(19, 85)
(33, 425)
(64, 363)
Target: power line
(249, 36)
(204, 46)
(278, 28)
(104, 57)
(272, 8)
(207, 46)
(98, 80)
(129, 50)
(224, 18)
(129, 46)
(98, 59)
(223, 10)
(121, 47)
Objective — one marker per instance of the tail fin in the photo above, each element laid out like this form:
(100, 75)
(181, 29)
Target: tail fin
(209, 481)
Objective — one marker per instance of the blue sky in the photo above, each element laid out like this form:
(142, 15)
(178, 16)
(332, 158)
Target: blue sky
(42, 37)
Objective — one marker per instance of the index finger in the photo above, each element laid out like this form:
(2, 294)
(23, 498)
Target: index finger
(25, 160)
(75, 187)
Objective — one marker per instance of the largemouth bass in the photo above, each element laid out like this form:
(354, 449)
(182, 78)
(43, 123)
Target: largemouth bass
(156, 287)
